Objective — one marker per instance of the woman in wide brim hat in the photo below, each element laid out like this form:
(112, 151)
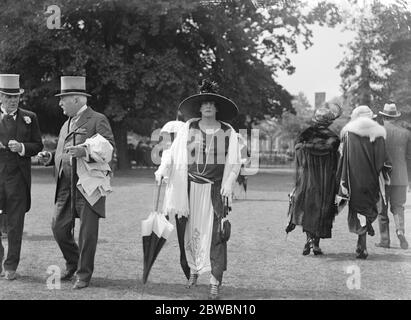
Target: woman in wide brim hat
(203, 166)
(226, 108)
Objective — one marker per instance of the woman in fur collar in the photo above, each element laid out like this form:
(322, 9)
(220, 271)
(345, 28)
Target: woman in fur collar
(362, 162)
(203, 164)
(316, 155)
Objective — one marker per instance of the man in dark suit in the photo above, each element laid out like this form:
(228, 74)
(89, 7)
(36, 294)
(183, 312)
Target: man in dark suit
(20, 139)
(79, 258)
(398, 145)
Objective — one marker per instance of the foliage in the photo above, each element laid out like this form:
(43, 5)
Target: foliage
(142, 57)
(377, 67)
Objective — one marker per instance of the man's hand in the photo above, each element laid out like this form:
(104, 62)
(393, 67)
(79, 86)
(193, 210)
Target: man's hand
(43, 157)
(77, 151)
(2, 146)
(15, 146)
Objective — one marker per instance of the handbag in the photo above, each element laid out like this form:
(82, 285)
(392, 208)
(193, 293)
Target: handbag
(225, 225)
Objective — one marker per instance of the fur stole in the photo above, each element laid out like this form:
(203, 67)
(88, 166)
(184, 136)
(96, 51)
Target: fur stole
(317, 139)
(365, 127)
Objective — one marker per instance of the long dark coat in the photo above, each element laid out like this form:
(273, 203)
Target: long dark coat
(316, 154)
(363, 159)
(28, 132)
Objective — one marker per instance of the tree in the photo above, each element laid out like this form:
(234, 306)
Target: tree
(142, 57)
(378, 67)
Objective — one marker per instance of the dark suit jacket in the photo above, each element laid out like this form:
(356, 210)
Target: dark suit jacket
(91, 123)
(398, 145)
(29, 134)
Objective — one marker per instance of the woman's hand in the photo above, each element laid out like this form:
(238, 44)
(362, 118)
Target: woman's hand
(160, 178)
(227, 191)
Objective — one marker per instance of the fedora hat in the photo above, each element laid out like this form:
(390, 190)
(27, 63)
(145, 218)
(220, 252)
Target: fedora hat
(390, 110)
(362, 111)
(10, 84)
(73, 85)
(226, 108)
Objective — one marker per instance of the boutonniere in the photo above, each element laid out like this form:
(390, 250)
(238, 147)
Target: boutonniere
(27, 119)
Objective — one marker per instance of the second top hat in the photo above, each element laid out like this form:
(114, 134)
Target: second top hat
(73, 85)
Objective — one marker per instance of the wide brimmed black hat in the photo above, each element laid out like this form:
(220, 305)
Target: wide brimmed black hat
(226, 108)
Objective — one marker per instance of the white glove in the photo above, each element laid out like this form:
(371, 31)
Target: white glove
(159, 177)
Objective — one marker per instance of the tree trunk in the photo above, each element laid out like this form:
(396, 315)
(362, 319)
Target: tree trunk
(120, 136)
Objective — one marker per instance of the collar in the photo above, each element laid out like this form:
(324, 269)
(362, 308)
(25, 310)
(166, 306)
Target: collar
(82, 109)
(11, 114)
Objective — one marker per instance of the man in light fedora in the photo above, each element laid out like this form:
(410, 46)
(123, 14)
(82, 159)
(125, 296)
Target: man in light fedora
(398, 145)
(79, 258)
(20, 139)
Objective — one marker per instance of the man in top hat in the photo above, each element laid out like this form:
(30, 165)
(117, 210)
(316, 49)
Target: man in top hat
(79, 258)
(20, 139)
(398, 145)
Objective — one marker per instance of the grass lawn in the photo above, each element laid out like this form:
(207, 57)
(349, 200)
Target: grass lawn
(262, 262)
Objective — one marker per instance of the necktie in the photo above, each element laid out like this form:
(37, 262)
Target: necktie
(9, 117)
(73, 123)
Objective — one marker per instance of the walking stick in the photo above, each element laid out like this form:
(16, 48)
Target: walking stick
(73, 179)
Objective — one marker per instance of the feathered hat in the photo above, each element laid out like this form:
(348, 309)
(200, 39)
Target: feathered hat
(226, 108)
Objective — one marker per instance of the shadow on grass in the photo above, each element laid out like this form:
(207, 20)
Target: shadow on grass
(40, 237)
(179, 291)
(388, 257)
(260, 200)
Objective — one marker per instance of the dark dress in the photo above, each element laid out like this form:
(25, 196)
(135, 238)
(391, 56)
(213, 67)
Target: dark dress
(202, 172)
(316, 155)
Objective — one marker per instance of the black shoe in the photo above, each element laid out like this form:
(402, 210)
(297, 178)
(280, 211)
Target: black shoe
(382, 245)
(68, 275)
(307, 248)
(317, 251)
(403, 241)
(362, 254)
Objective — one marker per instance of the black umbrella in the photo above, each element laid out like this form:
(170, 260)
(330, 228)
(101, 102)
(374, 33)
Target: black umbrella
(155, 231)
(73, 187)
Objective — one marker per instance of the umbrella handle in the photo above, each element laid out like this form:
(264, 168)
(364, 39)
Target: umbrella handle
(158, 195)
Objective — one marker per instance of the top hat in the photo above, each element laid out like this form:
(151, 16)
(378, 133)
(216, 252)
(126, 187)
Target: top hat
(10, 84)
(190, 107)
(390, 110)
(73, 85)
(362, 111)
